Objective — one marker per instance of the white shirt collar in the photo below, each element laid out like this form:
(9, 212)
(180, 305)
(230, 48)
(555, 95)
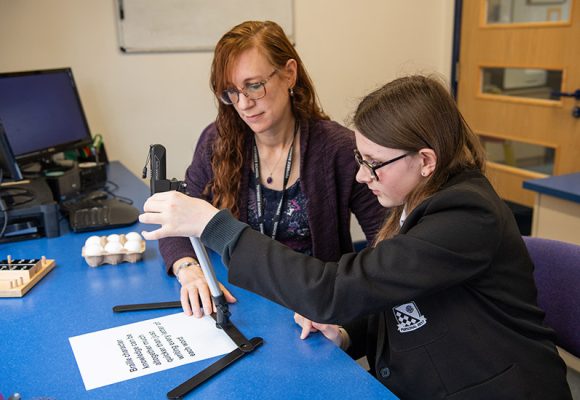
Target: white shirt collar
(403, 217)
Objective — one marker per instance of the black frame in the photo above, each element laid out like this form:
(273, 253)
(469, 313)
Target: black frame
(456, 47)
(373, 167)
(8, 165)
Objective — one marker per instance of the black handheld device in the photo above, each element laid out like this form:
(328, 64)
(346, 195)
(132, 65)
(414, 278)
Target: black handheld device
(160, 183)
(158, 162)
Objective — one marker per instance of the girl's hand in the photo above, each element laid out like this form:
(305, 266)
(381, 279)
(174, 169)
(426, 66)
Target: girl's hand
(178, 215)
(331, 332)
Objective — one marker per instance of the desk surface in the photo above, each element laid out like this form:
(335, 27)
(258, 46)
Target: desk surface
(565, 187)
(73, 299)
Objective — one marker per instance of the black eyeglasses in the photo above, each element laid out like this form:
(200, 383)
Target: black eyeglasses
(374, 166)
(253, 91)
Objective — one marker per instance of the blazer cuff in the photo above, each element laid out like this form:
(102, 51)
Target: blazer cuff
(222, 233)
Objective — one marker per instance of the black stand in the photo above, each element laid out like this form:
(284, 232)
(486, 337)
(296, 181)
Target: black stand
(244, 346)
(222, 316)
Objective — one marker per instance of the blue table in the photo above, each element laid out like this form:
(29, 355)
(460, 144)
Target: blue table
(557, 207)
(566, 187)
(36, 359)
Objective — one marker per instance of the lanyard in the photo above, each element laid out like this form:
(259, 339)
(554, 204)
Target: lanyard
(259, 187)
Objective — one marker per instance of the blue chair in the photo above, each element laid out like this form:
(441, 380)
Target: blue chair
(557, 276)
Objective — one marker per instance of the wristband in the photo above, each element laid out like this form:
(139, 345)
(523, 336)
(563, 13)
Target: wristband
(185, 264)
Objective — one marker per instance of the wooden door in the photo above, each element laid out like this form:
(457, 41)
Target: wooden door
(514, 55)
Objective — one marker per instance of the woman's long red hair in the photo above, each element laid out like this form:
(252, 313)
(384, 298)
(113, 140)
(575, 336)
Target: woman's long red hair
(228, 150)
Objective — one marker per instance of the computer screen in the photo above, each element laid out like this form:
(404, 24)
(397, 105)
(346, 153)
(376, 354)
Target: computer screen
(42, 113)
(9, 169)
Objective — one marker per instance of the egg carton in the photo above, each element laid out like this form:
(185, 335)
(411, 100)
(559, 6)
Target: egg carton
(113, 254)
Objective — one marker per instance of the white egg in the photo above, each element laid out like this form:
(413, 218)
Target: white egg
(93, 240)
(133, 246)
(113, 247)
(93, 249)
(133, 236)
(113, 238)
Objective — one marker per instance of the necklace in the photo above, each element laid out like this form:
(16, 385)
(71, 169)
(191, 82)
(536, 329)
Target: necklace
(269, 178)
(259, 199)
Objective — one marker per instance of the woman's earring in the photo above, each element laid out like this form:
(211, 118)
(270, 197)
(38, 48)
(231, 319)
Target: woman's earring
(423, 173)
(291, 91)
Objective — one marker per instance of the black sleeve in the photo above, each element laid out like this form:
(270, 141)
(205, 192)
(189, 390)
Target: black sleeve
(221, 234)
(357, 332)
(453, 239)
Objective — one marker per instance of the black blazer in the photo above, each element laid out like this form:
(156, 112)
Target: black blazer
(444, 310)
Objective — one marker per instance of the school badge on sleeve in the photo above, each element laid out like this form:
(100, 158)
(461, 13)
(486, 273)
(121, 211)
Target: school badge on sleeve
(408, 317)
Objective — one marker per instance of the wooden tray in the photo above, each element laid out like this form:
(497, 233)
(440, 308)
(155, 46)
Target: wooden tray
(19, 276)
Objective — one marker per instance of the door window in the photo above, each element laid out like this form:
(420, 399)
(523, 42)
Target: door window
(527, 11)
(519, 154)
(522, 82)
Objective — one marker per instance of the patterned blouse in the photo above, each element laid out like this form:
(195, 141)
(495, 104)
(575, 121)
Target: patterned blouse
(293, 229)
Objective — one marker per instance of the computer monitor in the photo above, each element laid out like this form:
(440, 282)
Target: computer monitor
(9, 169)
(42, 114)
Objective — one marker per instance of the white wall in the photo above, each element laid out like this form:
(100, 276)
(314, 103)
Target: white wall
(133, 100)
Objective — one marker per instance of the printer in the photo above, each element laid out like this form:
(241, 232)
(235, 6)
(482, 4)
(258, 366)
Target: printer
(30, 210)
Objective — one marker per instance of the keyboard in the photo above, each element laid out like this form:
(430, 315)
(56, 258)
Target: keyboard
(86, 218)
(101, 214)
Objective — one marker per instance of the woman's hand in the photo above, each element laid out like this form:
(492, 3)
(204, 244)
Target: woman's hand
(331, 332)
(178, 215)
(193, 288)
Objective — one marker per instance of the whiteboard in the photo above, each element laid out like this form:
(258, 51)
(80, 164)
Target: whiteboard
(191, 25)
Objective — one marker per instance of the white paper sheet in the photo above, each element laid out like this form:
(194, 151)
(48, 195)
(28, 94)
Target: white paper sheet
(129, 351)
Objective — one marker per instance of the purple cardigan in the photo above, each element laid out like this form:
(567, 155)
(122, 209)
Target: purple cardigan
(327, 178)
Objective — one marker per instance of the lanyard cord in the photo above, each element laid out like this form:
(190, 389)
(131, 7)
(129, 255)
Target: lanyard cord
(287, 171)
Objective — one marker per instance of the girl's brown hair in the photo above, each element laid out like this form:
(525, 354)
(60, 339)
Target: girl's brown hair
(228, 150)
(413, 113)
